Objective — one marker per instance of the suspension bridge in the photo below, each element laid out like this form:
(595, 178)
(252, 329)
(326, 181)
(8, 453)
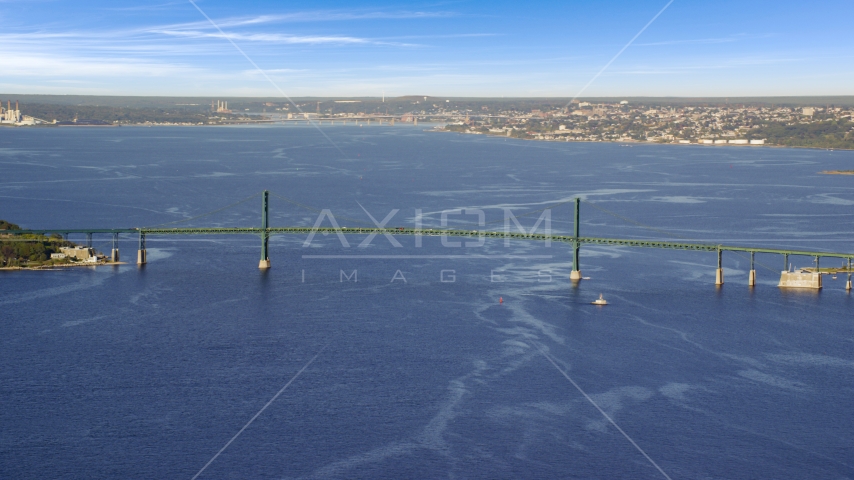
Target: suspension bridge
(807, 278)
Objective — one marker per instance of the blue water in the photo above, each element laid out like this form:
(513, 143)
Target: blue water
(127, 372)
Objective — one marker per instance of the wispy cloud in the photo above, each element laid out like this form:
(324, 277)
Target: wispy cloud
(704, 41)
(148, 7)
(44, 65)
(711, 64)
(279, 38)
(316, 16)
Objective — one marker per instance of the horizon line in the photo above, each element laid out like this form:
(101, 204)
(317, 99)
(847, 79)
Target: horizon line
(448, 97)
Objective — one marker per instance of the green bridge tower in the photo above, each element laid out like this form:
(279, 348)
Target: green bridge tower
(265, 234)
(576, 245)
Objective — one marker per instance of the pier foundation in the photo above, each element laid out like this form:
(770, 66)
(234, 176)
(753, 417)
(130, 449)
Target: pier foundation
(800, 280)
(751, 278)
(264, 264)
(575, 275)
(114, 256)
(719, 276)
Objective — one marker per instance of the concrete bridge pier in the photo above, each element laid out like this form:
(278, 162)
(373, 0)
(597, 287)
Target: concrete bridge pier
(848, 285)
(719, 273)
(751, 278)
(265, 235)
(114, 255)
(818, 271)
(140, 254)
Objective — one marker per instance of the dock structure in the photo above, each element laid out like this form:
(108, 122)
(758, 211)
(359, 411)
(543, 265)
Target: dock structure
(806, 278)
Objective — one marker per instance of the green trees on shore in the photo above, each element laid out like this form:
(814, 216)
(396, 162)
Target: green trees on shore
(21, 250)
(826, 134)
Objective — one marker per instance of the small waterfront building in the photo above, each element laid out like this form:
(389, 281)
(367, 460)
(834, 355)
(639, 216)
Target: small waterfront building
(57, 256)
(78, 253)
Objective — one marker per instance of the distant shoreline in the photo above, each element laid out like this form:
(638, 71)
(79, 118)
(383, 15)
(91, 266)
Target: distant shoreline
(632, 143)
(60, 266)
(837, 172)
(437, 130)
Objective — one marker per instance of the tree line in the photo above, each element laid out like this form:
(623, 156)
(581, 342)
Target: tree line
(27, 250)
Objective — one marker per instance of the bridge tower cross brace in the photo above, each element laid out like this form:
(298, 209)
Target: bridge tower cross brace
(265, 235)
(575, 275)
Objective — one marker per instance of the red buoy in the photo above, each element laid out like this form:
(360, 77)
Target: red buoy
(500, 299)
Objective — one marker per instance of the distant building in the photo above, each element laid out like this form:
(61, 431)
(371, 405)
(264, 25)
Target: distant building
(738, 142)
(809, 111)
(758, 142)
(10, 116)
(78, 253)
(220, 106)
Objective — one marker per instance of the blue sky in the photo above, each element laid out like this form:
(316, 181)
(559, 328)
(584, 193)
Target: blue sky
(454, 48)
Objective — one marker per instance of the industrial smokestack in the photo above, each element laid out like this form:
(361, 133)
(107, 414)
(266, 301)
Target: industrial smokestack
(16, 105)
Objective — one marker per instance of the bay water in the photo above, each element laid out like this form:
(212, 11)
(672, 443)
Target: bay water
(430, 360)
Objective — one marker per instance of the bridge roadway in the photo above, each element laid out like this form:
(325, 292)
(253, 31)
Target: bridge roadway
(706, 247)
(575, 240)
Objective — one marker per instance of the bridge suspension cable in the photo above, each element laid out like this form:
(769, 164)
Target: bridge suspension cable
(317, 210)
(671, 234)
(534, 212)
(207, 213)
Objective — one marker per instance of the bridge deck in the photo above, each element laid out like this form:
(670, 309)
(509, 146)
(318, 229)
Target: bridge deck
(708, 247)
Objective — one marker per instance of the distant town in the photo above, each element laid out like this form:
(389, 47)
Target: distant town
(794, 122)
(824, 127)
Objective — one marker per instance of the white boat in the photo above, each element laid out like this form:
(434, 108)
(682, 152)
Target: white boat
(600, 301)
